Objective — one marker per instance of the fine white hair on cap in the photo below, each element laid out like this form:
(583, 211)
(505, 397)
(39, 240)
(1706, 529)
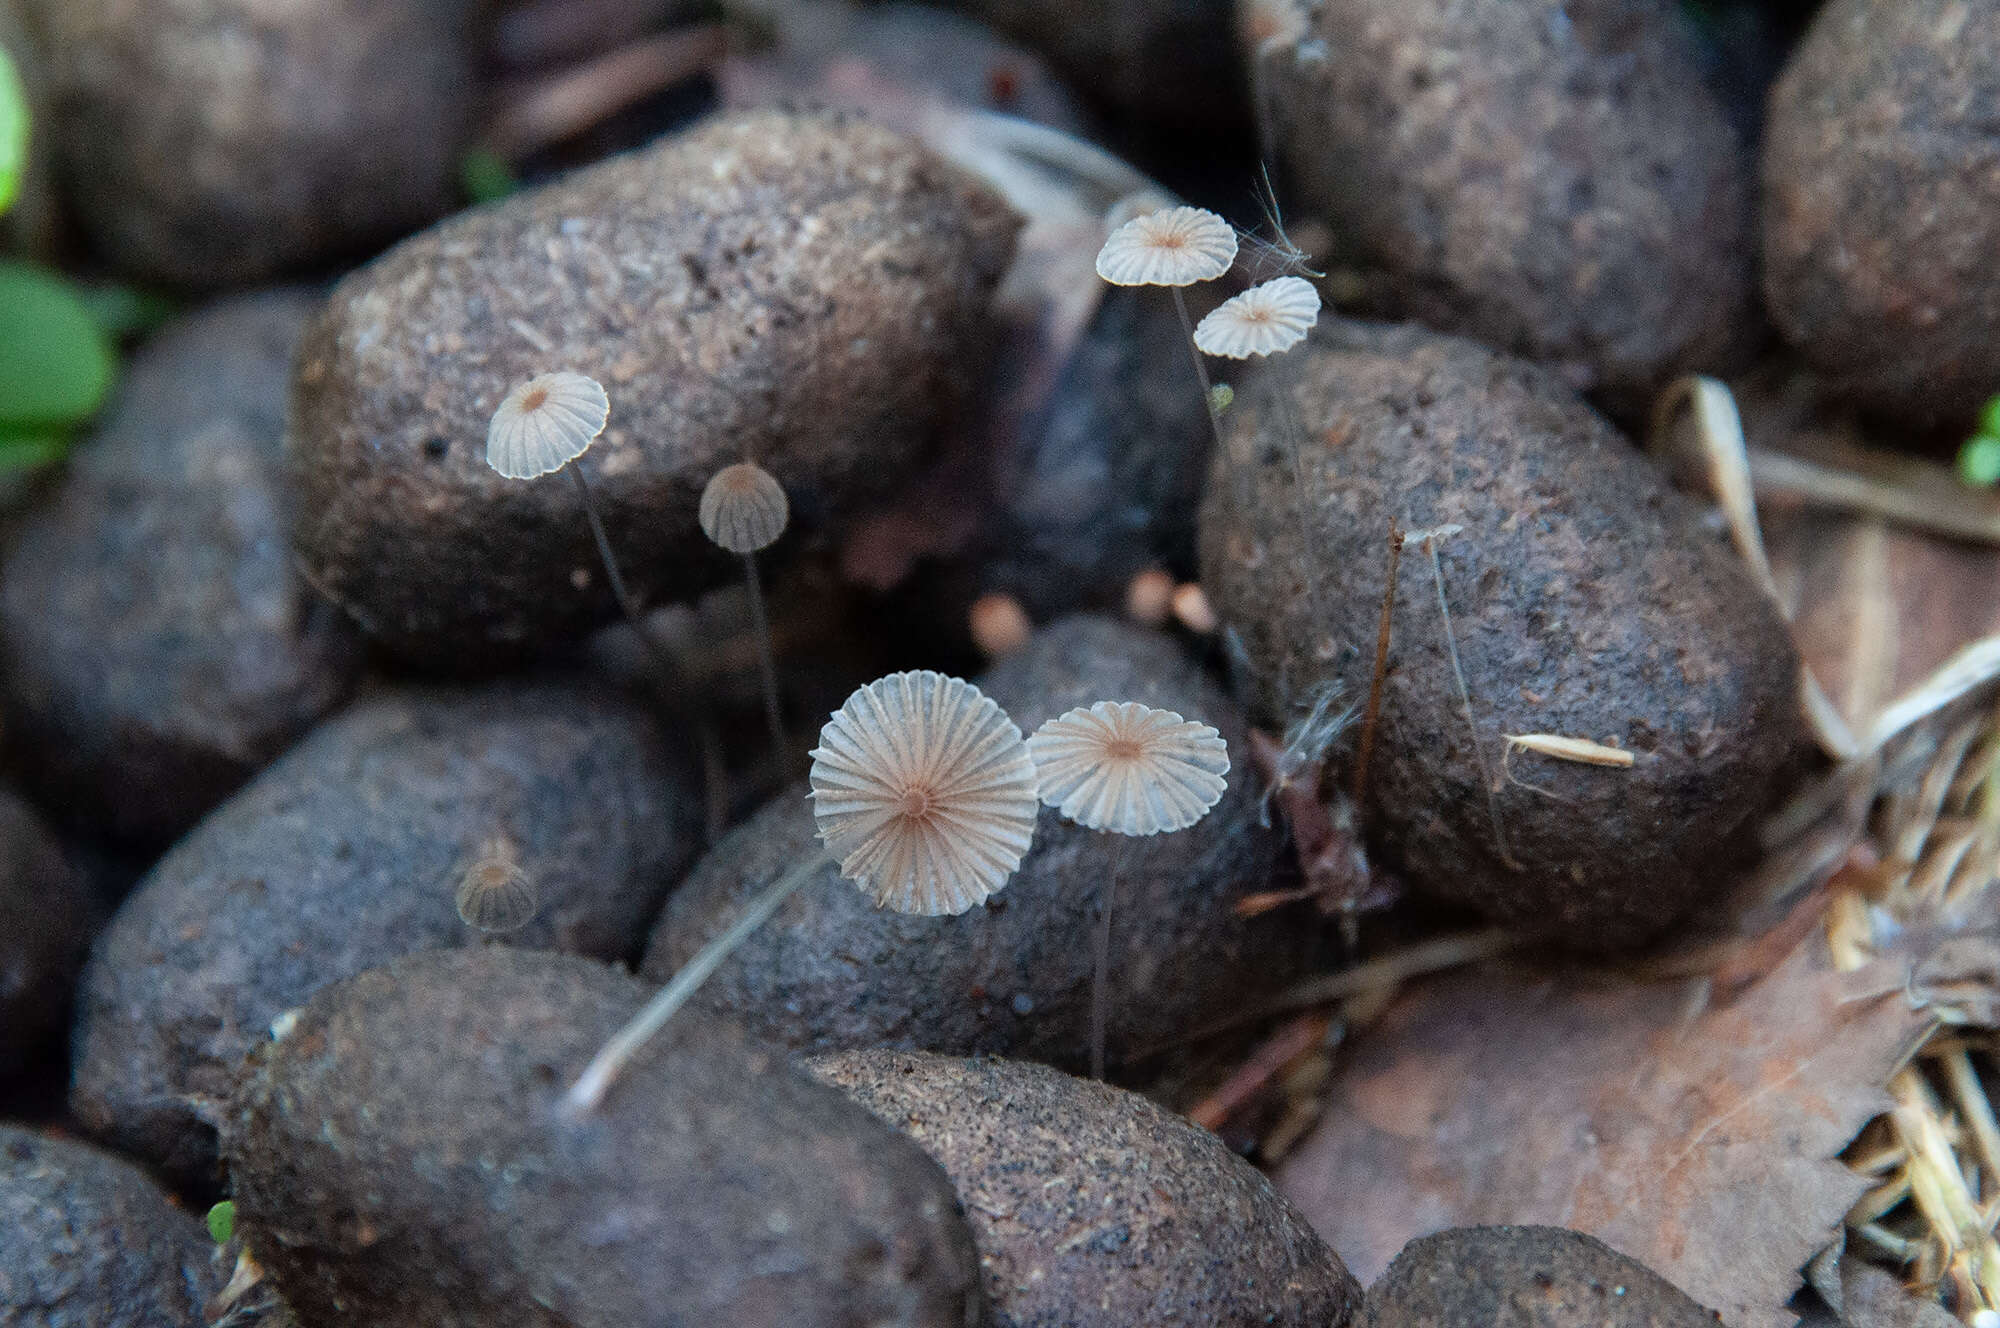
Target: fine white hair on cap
(1128, 768)
(1263, 320)
(924, 792)
(1175, 246)
(744, 508)
(546, 423)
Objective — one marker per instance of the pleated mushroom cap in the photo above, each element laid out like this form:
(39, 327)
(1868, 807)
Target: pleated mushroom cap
(1175, 246)
(546, 423)
(494, 894)
(1128, 768)
(1263, 320)
(743, 508)
(924, 792)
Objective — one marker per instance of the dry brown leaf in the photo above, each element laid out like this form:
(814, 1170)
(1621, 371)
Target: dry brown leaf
(1703, 1142)
(1877, 609)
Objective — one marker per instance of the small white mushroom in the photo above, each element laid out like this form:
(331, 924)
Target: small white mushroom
(494, 895)
(1263, 320)
(743, 508)
(1128, 768)
(1175, 246)
(924, 792)
(546, 423)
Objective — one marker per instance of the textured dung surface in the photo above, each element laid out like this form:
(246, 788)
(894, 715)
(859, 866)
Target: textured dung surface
(346, 853)
(1108, 476)
(159, 648)
(398, 1161)
(88, 1241)
(1881, 193)
(1549, 176)
(830, 971)
(45, 917)
(211, 143)
(1093, 1207)
(801, 289)
(1525, 1277)
(1166, 65)
(1588, 601)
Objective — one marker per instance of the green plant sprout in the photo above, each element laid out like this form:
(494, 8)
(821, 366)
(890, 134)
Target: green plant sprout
(222, 1222)
(484, 176)
(56, 365)
(1979, 458)
(14, 126)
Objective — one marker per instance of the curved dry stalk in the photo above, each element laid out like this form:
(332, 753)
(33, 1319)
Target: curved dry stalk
(1430, 539)
(588, 1091)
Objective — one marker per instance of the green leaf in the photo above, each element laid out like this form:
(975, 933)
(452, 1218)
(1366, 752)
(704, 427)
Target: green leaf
(1979, 461)
(222, 1221)
(56, 364)
(1989, 418)
(484, 175)
(13, 131)
(124, 311)
(33, 449)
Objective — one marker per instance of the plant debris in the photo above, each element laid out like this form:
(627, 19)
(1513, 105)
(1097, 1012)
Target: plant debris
(1701, 1138)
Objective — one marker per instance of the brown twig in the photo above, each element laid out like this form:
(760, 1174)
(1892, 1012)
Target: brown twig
(1297, 1037)
(535, 113)
(1382, 630)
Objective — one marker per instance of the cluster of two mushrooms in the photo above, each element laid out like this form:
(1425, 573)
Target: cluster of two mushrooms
(552, 419)
(925, 795)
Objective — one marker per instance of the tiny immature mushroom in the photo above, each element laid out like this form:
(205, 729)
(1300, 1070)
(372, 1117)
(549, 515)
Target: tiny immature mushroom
(1149, 598)
(1264, 320)
(999, 625)
(925, 797)
(1128, 769)
(1193, 609)
(494, 895)
(744, 509)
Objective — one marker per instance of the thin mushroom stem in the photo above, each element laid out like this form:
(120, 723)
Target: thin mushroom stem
(1100, 983)
(630, 606)
(766, 665)
(587, 1093)
(1200, 369)
(1382, 629)
(667, 673)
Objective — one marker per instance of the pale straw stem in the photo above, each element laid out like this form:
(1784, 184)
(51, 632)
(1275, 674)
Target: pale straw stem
(596, 1080)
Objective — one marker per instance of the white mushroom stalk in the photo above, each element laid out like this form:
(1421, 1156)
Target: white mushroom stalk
(545, 424)
(744, 509)
(1173, 247)
(1128, 769)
